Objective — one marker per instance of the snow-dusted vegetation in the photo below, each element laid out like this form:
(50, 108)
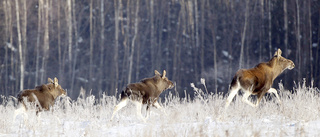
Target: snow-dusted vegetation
(205, 115)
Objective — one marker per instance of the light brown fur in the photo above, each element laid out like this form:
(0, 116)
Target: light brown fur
(45, 94)
(258, 80)
(146, 91)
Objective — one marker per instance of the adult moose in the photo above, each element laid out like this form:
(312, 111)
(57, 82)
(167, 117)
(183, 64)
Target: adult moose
(258, 80)
(43, 96)
(146, 91)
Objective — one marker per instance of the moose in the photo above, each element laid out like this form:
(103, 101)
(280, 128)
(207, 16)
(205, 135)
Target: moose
(146, 91)
(258, 80)
(42, 96)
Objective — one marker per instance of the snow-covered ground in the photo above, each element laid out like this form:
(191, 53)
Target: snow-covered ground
(298, 115)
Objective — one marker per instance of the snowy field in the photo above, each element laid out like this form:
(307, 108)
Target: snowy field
(298, 115)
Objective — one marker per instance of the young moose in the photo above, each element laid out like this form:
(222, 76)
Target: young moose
(258, 80)
(146, 91)
(45, 94)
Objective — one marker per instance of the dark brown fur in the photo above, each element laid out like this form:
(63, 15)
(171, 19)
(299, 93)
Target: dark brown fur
(45, 94)
(258, 80)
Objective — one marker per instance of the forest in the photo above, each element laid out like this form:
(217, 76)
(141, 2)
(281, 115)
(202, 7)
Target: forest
(102, 45)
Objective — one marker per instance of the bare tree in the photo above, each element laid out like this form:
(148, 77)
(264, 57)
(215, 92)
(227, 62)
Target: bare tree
(24, 31)
(233, 22)
(69, 24)
(193, 26)
(243, 37)
(261, 29)
(285, 9)
(91, 43)
(310, 40)
(152, 39)
(20, 46)
(317, 53)
(169, 34)
(46, 41)
(215, 61)
(101, 42)
(69, 35)
(270, 28)
(285, 26)
(158, 55)
(59, 40)
(6, 13)
(38, 41)
(12, 58)
(298, 53)
(116, 47)
(136, 23)
(202, 45)
(75, 58)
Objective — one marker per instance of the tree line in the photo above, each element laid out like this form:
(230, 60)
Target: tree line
(103, 45)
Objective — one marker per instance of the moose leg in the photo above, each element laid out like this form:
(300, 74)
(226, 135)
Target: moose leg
(233, 91)
(139, 105)
(21, 110)
(274, 91)
(158, 106)
(147, 111)
(260, 95)
(122, 103)
(245, 99)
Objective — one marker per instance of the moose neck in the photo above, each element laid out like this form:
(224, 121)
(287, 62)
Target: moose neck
(54, 94)
(161, 87)
(277, 68)
(53, 91)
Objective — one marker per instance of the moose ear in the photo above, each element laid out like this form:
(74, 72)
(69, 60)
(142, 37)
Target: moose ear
(278, 53)
(56, 82)
(164, 74)
(50, 80)
(156, 72)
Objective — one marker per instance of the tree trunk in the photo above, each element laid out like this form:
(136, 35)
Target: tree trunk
(136, 23)
(153, 44)
(115, 57)
(75, 58)
(137, 64)
(270, 29)
(310, 41)
(126, 43)
(38, 41)
(215, 60)
(7, 24)
(59, 42)
(20, 46)
(317, 73)
(24, 31)
(91, 44)
(13, 85)
(230, 70)
(244, 34)
(69, 34)
(261, 34)
(298, 54)
(101, 43)
(202, 34)
(194, 20)
(285, 9)
(46, 41)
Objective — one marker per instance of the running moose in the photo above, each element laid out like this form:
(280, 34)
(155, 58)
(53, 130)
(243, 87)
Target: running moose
(45, 95)
(146, 91)
(258, 80)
